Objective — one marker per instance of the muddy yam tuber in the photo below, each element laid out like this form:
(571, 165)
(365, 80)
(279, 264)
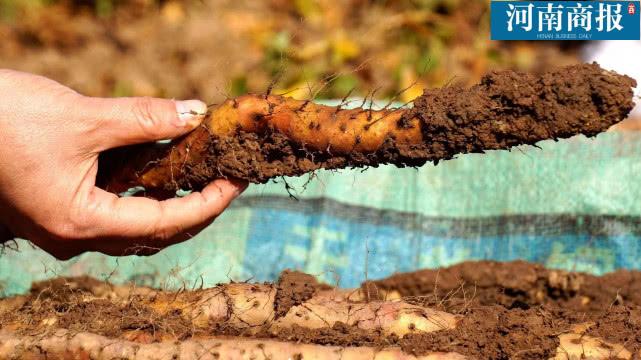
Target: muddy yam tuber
(83, 318)
(260, 137)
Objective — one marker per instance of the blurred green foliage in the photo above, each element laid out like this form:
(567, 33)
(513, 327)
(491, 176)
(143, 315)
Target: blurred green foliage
(10, 9)
(319, 48)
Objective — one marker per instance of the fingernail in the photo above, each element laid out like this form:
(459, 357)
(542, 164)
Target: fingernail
(190, 113)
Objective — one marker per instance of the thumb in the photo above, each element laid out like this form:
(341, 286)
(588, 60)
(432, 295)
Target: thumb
(126, 121)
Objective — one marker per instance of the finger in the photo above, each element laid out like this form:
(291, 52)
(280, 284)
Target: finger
(125, 121)
(5, 235)
(128, 224)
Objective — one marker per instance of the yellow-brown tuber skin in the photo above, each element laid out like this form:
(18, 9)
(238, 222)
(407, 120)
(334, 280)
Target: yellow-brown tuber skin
(258, 138)
(318, 128)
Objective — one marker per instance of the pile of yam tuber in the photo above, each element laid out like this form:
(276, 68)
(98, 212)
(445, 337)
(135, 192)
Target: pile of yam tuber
(296, 318)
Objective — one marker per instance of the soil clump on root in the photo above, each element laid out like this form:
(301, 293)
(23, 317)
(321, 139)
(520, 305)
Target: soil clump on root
(294, 288)
(508, 305)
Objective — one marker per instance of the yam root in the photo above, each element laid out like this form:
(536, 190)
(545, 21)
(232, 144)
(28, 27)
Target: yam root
(66, 345)
(63, 344)
(247, 309)
(258, 138)
(80, 317)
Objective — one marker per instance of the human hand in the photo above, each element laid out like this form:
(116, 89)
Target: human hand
(50, 138)
(5, 237)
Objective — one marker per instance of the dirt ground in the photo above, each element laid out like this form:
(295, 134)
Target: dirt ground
(211, 49)
(511, 310)
(519, 304)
